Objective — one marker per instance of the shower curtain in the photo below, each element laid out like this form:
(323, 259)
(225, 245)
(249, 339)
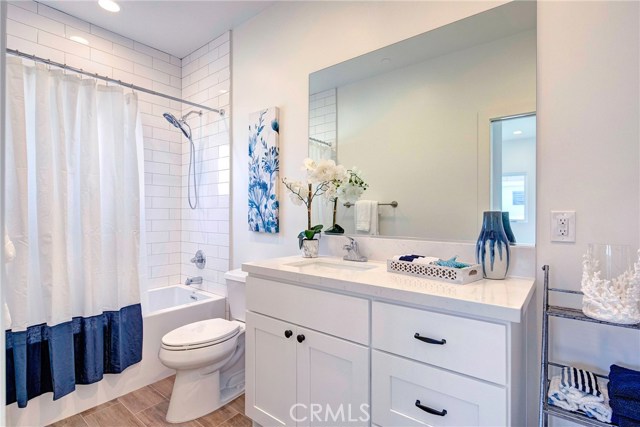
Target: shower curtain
(73, 214)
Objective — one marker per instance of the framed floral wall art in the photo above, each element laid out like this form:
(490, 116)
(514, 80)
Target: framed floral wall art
(264, 166)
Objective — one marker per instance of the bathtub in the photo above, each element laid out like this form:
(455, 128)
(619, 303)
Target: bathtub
(163, 310)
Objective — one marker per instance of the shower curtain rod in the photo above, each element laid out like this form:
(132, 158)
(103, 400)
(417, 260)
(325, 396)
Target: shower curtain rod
(109, 80)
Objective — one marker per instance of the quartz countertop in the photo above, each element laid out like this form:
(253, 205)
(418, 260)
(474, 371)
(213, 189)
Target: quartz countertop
(504, 300)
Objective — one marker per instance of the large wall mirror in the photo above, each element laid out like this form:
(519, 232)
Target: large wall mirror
(443, 123)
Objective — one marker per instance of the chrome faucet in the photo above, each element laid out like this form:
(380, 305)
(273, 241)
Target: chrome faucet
(193, 281)
(353, 252)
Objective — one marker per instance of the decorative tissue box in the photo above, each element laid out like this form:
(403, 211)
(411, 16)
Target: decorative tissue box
(459, 276)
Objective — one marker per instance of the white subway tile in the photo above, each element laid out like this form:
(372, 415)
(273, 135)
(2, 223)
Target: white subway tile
(157, 259)
(166, 89)
(168, 180)
(167, 135)
(165, 270)
(224, 49)
(156, 190)
(136, 80)
(156, 282)
(223, 150)
(132, 55)
(62, 43)
(219, 64)
(176, 82)
(167, 67)
(111, 60)
(176, 61)
(34, 49)
(88, 65)
(31, 6)
(62, 17)
(219, 40)
(18, 29)
(152, 214)
(158, 237)
(150, 73)
(165, 247)
(151, 51)
(112, 37)
(33, 19)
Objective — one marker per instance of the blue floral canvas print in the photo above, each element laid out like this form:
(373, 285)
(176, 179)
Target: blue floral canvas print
(264, 165)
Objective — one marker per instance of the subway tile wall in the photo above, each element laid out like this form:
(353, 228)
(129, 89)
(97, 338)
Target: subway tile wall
(206, 79)
(323, 116)
(37, 29)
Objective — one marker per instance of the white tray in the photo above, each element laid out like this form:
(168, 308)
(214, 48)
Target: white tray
(459, 276)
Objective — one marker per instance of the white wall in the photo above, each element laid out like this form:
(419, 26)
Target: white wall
(206, 79)
(273, 55)
(588, 151)
(3, 39)
(424, 118)
(37, 29)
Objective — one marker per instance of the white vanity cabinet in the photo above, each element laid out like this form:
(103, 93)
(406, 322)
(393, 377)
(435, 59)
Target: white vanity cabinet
(421, 353)
(302, 364)
(438, 370)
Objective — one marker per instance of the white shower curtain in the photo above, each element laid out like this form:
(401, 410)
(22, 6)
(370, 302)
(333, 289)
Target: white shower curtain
(73, 213)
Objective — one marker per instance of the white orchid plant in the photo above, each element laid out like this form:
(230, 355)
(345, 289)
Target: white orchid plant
(326, 179)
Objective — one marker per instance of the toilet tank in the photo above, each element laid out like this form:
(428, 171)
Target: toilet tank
(235, 293)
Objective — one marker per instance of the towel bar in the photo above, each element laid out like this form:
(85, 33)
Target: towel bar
(393, 204)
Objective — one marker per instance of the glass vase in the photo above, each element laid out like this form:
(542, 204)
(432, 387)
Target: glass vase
(611, 284)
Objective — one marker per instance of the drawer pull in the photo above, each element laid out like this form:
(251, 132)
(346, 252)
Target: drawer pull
(300, 338)
(430, 410)
(288, 333)
(429, 340)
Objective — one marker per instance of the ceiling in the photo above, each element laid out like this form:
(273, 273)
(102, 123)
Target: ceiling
(172, 26)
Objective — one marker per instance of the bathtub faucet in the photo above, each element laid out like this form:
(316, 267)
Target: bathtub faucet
(193, 281)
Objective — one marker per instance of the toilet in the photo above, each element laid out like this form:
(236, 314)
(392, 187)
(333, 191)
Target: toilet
(208, 357)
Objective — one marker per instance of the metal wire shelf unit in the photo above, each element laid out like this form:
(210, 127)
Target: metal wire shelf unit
(545, 410)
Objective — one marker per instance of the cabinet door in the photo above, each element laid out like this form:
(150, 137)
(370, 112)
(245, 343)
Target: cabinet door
(333, 381)
(270, 370)
(447, 399)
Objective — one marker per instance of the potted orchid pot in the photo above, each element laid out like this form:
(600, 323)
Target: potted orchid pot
(321, 177)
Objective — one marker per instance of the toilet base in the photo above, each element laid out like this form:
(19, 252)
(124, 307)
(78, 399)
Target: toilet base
(195, 394)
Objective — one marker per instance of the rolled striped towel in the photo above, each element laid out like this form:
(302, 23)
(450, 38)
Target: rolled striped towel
(581, 380)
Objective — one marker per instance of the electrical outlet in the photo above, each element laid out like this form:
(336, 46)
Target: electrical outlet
(563, 226)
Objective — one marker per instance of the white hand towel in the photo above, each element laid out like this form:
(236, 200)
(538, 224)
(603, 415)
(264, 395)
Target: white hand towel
(366, 214)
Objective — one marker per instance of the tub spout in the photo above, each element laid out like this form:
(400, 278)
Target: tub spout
(193, 281)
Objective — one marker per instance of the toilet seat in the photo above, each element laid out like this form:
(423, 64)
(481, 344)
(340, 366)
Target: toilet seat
(200, 334)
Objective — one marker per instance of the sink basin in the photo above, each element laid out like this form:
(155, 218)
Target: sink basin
(313, 264)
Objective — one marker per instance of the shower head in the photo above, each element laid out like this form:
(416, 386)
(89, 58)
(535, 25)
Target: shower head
(178, 123)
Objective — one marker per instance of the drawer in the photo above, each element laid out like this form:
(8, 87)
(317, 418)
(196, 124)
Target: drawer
(398, 383)
(472, 347)
(335, 314)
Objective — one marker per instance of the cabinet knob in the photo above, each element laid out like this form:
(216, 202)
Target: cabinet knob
(431, 410)
(288, 333)
(430, 340)
(300, 338)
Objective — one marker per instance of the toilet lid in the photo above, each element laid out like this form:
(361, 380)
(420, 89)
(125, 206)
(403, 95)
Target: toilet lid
(208, 331)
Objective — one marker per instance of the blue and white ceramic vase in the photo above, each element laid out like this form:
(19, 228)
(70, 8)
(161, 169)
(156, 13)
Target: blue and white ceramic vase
(506, 223)
(492, 248)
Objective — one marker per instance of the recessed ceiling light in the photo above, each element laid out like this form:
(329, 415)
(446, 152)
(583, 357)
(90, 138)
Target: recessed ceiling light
(109, 5)
(517, 132)
(79, 39)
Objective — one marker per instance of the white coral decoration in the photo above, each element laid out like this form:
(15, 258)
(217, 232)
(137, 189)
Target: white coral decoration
(616, 300)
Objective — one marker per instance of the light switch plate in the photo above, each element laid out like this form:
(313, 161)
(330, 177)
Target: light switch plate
(563, 226)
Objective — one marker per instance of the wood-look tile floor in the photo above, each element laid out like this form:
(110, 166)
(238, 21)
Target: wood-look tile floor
(147, 407)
